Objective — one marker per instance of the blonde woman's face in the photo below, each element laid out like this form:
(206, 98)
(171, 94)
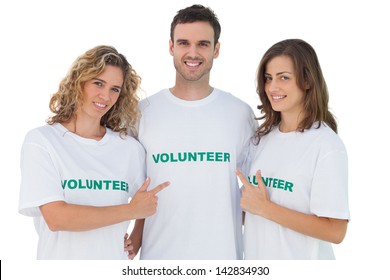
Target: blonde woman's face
(101, 92)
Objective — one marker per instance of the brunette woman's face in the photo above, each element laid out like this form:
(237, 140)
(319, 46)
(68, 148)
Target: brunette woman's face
(281, 86)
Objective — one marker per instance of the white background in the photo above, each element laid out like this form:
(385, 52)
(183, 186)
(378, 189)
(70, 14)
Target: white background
(40, 39)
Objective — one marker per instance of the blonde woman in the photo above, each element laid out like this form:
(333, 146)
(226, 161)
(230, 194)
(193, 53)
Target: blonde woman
(80, 169)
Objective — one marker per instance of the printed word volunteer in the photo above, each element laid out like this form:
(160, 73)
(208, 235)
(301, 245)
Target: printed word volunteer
(191, 156)
(95, 184)
(273, 183)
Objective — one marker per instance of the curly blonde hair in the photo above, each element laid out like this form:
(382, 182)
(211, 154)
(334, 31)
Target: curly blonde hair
(123, 116)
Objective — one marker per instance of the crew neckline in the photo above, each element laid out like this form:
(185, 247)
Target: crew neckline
(192, 103)
(65, 132)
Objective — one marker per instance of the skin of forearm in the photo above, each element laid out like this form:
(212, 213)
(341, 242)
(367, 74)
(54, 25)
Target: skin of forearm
(136, 234)
(327, 229)
(71, 217)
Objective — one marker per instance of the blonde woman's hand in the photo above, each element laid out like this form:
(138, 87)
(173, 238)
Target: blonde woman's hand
(144, 202)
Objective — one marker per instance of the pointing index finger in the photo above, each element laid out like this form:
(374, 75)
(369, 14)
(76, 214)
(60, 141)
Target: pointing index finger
(159, 188)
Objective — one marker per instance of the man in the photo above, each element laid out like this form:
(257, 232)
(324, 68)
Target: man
(196, 136)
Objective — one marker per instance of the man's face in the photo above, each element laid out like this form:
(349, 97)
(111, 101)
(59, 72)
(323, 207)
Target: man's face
(193, 50)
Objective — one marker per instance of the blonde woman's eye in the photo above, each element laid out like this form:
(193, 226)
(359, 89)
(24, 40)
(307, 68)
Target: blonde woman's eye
(98, 83)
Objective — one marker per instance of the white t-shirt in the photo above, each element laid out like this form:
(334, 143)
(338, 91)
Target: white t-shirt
(306, 172)
(197, 146)
(57, 165)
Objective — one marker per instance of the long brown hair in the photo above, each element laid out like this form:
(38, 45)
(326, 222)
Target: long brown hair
(309, 79)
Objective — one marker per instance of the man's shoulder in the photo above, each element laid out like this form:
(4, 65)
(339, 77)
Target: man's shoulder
(229, 97)
(153, 98)
(153, 95)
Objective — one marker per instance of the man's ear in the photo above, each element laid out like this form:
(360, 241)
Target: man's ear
(170, 47)
(216, 50)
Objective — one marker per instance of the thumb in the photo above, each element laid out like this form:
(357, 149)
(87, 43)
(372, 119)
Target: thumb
(145, 185)
(242, 177)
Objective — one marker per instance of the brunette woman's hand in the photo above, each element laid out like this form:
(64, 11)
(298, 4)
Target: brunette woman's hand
(253, 199)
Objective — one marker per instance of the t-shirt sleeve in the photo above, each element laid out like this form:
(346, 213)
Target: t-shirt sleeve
(40, 181)
(244, 161)
(329, 196)
(139, 167)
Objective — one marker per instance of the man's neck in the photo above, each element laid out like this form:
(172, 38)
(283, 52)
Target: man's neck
(191, 92)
